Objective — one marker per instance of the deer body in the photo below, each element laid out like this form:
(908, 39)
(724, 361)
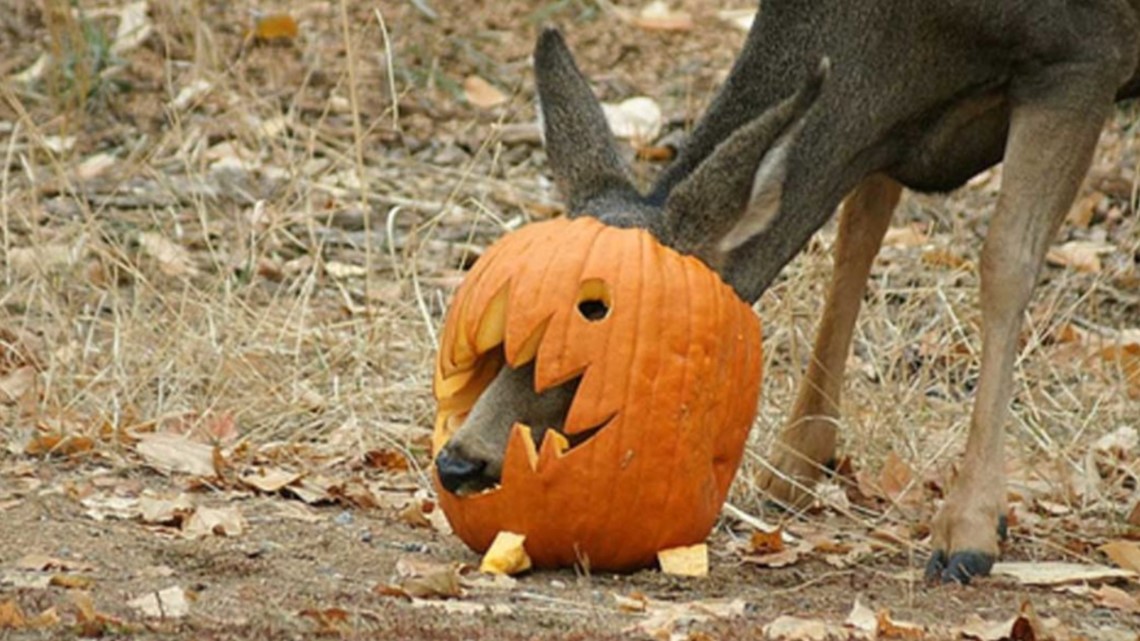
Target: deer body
(922, 95)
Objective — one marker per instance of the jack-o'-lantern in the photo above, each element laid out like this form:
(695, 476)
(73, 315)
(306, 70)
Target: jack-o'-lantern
(668, 363)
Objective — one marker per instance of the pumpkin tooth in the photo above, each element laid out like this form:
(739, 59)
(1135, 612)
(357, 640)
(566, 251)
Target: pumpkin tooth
(493, 324)
(526, 352)
(521, 436)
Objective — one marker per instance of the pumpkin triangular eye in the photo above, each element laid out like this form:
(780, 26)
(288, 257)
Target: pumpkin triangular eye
(594, 300)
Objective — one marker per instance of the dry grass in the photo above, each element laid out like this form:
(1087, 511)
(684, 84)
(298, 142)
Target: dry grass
(277, 229)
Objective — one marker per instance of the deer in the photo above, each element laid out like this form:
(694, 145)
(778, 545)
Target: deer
(836, 106)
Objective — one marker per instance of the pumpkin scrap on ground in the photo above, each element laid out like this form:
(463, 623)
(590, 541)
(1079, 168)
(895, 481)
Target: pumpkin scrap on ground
(507, 555)
(668, 363)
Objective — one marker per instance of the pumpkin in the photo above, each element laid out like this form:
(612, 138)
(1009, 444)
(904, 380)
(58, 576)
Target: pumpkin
(669, 361)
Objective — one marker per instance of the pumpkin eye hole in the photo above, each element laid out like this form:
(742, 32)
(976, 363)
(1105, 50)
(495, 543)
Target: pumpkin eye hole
(594, 300)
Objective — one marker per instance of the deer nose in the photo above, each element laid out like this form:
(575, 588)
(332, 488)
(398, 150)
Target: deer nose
(457, 473)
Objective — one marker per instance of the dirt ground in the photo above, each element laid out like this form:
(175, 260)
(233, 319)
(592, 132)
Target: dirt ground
(226, 259)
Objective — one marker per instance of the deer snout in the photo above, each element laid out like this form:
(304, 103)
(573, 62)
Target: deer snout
(460, 474)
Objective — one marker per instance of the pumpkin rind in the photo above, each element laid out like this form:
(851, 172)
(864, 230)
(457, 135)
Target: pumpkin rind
(671, 374)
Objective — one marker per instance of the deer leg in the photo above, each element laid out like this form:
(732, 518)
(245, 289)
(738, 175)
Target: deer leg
(1050, 144)
(808, 441)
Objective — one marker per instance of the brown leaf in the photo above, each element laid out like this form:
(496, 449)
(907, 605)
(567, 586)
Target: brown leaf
(896, 477)
(330, 621)
(15, 384)
(657, 16)
(1058, 572)
(413, 514)
(908, 236)
(71, 581)
(1134, 515)
(172, 258)
(175, 453)
(1127, 357)
(269, 479)
(1125, 554)
(779, 559)
(205, 521)
(275, 26)
(58, 445)
(11, 616)
(1117, 599)
(164, 511)
(481, 93)
(889, 629)
(1082, 212)
(945, 258)
(386, 460)
(763, 542)
(1081, 255)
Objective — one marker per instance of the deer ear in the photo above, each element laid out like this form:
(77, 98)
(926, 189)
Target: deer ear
(735, 193)
(579, 145)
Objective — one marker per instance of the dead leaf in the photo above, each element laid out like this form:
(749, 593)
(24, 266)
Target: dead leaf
(45, 563)
(413, 514)
(739, 18)
(164, 511)
(171, 453)
(1058, 573)
(58, 445)
(779, 559)
(890, 629)
(169, 603)
(71, 581)
(443, 583)
(134, 28)
(1134, 516)
(172, 258)
(269, 479)
(862, 618)
(790, 628)
(1081, 255)
(1127, 357)
(15, 384)
(636, 602)
(979, 629)
(896, 478)
(1110, 597)
(1082, 212)
(762, 542)
(1125, 554)
(102, 507)
(637, 119)
(945, 258)
(11, 616)
(507, 555)
(665, 617)
(206, 521)
(482, 94)
(688, 560)
(330, 621)
(657, 16)
(386, 460)
(908, 236)
(275, 27)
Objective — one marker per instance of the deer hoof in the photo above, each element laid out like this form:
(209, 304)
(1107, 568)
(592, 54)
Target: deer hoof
(959, 567)
(963, 565)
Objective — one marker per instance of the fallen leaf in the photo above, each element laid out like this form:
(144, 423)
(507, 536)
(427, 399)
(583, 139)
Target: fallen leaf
(205, 521)
(896, 478)
(1081, 255)
(134, 28)
(890, 629)
(1125, 554)
(164, 511)
(506, 555)
(979, 629)
(1082, 212)
(269, 480)
(740, 18)
(1127, 357)
(15, 384)
(275, 26)
(945, 258)
(45, 563)
(413, 515)
(657, 16)
(386, 460)
(102, 507)
(779, 559)
(762, 542)
(907, 236)
(11, 616)
(1058, 572)
(443, 583)
(637, 119)
(71, 581)
(665, 617)
(1134, 516)
(169, 603)
(636, 602)
(688, 560)
(330, 621)
(172, 453)
(790, 628)
(1115, 598)
(862, 618)
(58, 445)
(482, 94)
(172, 258)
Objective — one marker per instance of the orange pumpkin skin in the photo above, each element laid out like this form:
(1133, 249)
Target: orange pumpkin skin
(672, 373)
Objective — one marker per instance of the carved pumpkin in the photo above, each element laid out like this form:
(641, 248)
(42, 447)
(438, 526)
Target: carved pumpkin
(669, 359)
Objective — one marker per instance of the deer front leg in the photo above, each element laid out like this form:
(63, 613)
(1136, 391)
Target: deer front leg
(1048, 151)
(808, 441)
